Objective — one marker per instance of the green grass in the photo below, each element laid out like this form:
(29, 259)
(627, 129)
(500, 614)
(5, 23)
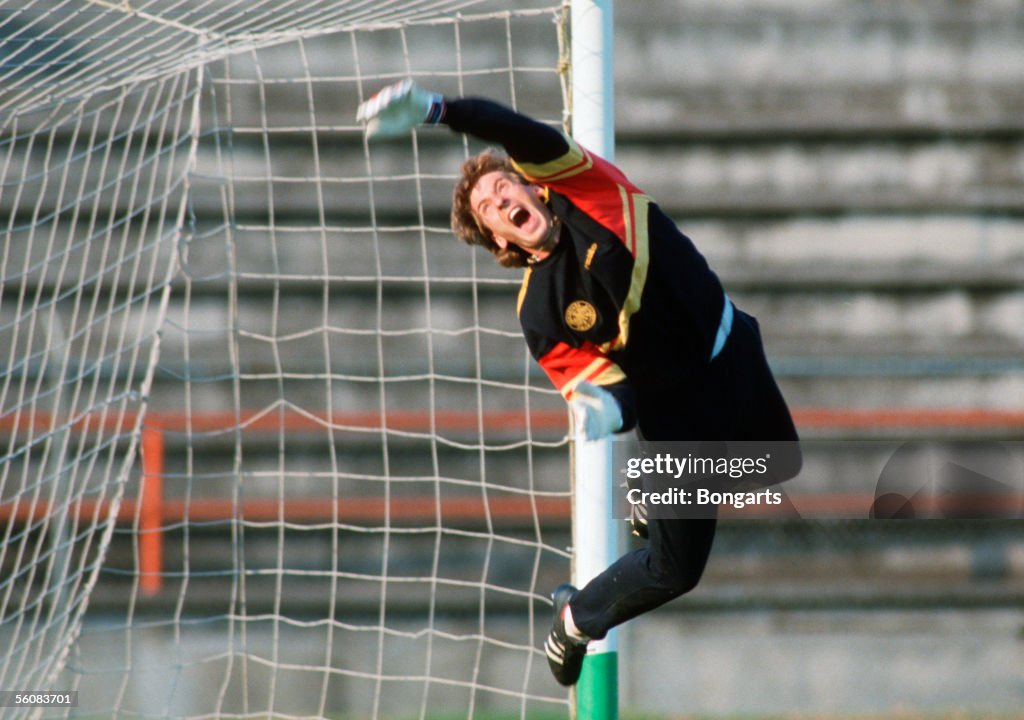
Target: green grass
(795, 715)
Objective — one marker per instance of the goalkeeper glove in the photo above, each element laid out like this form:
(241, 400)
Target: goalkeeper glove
(596, 412)
(399, 108)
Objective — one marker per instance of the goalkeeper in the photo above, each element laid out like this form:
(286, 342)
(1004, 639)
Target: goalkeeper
(622, 313)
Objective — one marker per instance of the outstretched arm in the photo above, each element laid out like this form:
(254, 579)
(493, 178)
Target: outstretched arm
(525, 140)
(399, 108)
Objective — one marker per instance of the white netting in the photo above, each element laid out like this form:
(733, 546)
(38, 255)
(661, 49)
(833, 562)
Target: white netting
(93, 205)
(351, 498)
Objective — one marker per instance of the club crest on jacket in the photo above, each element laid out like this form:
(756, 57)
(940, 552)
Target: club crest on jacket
(580, 316)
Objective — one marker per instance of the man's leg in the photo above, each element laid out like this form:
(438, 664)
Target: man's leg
(670, 565)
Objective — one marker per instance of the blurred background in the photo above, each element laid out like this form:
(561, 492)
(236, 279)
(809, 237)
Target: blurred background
(853, 169)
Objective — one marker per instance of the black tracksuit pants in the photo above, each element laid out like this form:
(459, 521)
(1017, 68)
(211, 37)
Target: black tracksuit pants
(737, 400)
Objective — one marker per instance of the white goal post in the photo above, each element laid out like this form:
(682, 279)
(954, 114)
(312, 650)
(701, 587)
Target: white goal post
(273, 443)
(595, 534)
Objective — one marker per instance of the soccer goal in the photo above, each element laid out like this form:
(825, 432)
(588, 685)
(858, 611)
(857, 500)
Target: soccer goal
(273, 444)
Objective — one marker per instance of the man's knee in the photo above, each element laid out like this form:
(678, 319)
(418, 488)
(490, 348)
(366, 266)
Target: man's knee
(679, 551)
(676, 578)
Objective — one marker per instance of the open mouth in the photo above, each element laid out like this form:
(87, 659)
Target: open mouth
(519, 216)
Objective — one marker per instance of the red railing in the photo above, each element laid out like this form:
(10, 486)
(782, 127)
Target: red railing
(151, 511)
(154, 512)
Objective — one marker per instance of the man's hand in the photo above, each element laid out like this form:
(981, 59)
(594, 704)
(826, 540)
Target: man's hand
(596, 412)
(399, 108)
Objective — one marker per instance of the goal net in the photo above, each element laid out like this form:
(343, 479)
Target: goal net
(273, 445)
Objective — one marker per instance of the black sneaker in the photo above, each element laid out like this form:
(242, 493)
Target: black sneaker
(565, 654)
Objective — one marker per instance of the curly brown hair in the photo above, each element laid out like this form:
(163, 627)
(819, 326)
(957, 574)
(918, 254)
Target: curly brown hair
(465, 223)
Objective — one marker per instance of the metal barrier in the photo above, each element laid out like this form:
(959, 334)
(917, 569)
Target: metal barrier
(153, 512)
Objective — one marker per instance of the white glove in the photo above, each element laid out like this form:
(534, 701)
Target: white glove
(596, 412)
(399, 108)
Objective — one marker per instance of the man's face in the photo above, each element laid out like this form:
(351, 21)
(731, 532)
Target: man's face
(513, 212)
